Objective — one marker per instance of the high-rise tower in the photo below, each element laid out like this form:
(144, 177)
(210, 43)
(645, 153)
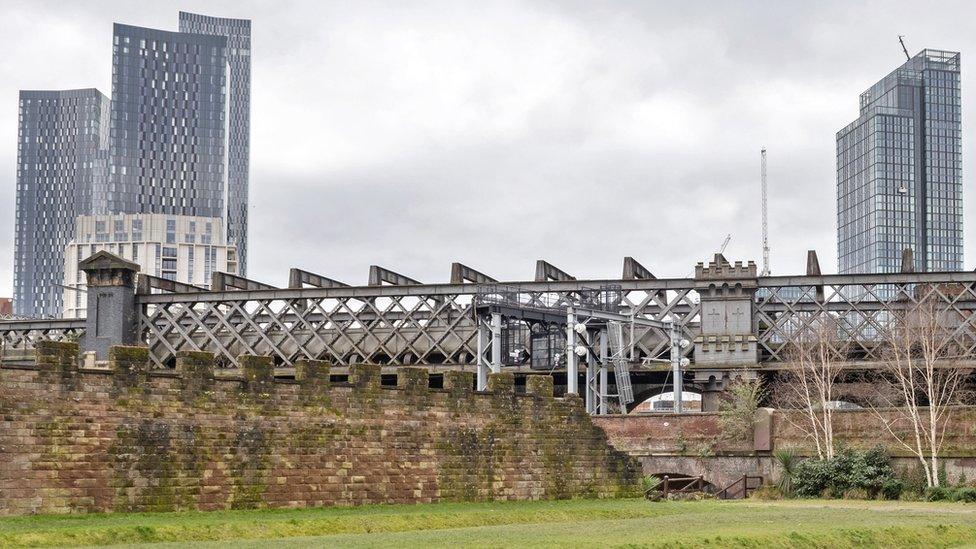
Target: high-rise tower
(61, 162)
(168, 150)
(238, 34)
(899, 173)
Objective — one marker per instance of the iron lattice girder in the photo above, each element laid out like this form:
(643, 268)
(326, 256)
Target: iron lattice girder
(434, 323)
(423, 323)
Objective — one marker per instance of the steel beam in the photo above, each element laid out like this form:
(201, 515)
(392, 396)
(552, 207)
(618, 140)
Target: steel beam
(461, 274)
(545, 271)
(378, 276)
(145, 284)
(226, 281)
(298, 278)
(635, 271)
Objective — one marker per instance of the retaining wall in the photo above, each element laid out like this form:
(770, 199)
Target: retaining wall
(131, 439)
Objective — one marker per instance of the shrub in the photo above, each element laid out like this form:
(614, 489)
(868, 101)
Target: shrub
(892, 488)
(942, 493)
(787, 461)
(914, 479)
(650, 482)
(848, 474)
(965, 493)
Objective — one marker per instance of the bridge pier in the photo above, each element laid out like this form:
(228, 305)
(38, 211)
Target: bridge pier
(111, 317)
(727, 340)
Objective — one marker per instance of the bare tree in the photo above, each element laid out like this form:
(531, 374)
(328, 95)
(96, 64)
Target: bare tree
(921, 363)
(815, 355)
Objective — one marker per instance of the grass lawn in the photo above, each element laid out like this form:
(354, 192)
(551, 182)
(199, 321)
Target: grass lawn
(614, 523)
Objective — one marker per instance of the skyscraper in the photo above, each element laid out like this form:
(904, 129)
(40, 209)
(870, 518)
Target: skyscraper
(61, 159)
(899, 173)
(169, 124)
(238, 33)
(173, 140)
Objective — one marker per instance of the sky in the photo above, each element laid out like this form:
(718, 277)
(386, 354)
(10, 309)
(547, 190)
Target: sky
(414, 134)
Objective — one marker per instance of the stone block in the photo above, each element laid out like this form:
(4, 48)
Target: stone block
(539, 386)
(129, 365)
(456, 381)
(413, 380)
(58, 360)
(501, 383)
(762, 430)
(365, 376)
(196, 371)
(258, 374)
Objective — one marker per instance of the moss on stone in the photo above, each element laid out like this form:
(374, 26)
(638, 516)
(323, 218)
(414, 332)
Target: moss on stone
(130, 368)
(196, 369)
(252, 458)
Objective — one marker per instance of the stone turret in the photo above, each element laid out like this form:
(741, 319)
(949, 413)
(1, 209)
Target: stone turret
(727, 341)
(111, 316)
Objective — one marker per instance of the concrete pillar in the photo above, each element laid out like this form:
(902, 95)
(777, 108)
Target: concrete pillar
(112, 316)
(496, 343)
(482, 382)
(572, 366)
(591, 374)
(604, 360)
(712, 398)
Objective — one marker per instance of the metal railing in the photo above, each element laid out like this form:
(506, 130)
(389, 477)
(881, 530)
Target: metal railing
(741, 488)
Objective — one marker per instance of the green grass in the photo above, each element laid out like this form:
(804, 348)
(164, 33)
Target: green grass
(619, 523)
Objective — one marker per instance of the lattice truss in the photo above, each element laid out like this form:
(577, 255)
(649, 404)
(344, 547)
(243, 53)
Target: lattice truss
(382, 325)
(862, 314)
(24, 334)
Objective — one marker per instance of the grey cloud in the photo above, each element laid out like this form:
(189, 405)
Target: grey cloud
(413, 134)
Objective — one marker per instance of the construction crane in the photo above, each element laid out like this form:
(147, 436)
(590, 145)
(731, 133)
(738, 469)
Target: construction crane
(901, 39)
(765, 219)
(725, 243)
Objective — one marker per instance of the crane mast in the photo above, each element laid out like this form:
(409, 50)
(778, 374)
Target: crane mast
(765, 220)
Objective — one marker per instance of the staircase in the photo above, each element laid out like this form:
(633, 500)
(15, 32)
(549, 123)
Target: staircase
(621, 368)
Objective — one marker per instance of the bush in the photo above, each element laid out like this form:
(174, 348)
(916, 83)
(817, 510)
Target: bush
(942, 493)
(965, 493)
(848, 474)
(787, 461)
(892, 488)
(650, 482)
(914, 479)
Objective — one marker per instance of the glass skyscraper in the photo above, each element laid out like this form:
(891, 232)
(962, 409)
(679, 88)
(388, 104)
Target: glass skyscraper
(899, 171)
(168, 125)
(174, 139)
(238, 34)
(62, 141)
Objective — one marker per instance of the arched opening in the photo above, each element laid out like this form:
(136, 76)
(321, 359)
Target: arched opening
(664, 402)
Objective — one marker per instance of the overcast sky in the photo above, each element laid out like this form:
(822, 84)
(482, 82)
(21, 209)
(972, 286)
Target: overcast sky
(414, 134)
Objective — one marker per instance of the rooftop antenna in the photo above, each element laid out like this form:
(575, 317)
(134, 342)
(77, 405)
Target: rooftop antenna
(901, 38)
(765, 220)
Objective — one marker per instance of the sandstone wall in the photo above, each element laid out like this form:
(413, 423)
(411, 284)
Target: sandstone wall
(696, 443)
(133, 440)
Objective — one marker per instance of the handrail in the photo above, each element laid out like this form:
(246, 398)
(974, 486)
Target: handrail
(743, 490)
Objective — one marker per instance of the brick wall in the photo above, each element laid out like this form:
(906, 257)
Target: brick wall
(129, 439)
(695, 444)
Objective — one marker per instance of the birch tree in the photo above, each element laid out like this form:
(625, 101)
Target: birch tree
(814, 360)
(921, 362)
